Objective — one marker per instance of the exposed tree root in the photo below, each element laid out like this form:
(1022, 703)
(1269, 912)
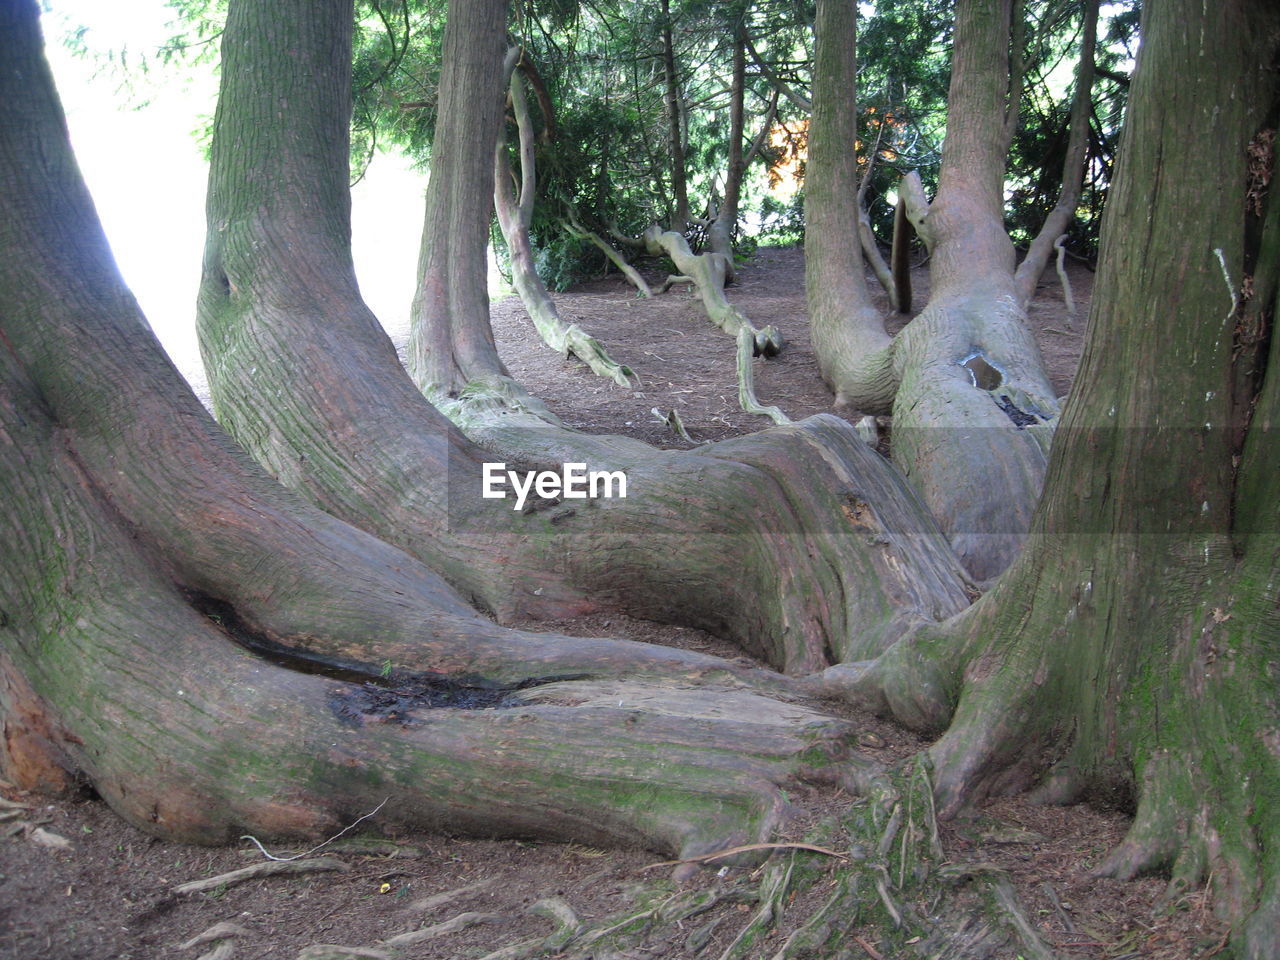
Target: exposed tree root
(709, 273)
(332, 951)
(220, 935)
(427, 904)
(746, 380)
(748, 848)
(436, 930)
(272, 868)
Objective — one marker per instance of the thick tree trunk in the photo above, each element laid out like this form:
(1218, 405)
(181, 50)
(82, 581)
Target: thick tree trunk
(1134, 641)
(855, 354)
(973, 409)
(515, 216)
(814, 578)
(973, 417)
(141, 552)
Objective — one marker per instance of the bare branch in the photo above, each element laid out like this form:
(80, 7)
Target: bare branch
(803, 102)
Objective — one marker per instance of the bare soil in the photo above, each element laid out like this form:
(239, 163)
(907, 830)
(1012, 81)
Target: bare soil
(108, 893)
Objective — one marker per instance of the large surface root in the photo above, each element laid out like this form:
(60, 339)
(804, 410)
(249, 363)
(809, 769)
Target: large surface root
(121, 678)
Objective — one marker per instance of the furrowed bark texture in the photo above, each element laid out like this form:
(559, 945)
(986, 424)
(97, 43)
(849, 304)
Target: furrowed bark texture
(855, 354)
(139, 543)
(1135, 639)
(445, 352)
(303, 377)
(974, 411)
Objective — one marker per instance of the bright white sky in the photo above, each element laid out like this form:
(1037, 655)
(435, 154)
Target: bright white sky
(147, 175)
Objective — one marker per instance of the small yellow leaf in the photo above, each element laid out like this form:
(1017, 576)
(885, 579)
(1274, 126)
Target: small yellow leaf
(385, 888)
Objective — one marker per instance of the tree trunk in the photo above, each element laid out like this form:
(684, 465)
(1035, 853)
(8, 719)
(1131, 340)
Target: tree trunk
(720, 232)
(1134, 641)
(445, 352)
(575, 229)
(973, 409)
(338, 420)
(166, 606)
(515, 216)
(849, 340)
(1064, 211)
(675, 133)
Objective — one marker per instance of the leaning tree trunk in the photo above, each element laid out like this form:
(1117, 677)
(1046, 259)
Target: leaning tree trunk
(166, 605)
(515, 216)
(826, 558)
(1134, 642)
(1063, 213)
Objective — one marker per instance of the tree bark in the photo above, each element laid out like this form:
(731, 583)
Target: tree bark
(338, 421)
(160, 592)
(1064, 211)
(1133, 642)
(855, 354)
(675, 133)
(576, 229)
(446, 353)
(720, 231)
(515, 217)
(973, 409)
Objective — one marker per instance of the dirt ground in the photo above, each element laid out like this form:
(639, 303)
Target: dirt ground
(76, 883)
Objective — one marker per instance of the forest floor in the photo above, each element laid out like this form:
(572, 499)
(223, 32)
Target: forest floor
(76, 883)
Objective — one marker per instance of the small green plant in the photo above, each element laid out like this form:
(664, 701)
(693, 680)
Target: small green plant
(386, 669)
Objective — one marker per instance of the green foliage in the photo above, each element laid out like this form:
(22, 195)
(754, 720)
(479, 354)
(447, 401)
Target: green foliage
(565, 261)
(1039, 146)
(782, 221)
(607, 164)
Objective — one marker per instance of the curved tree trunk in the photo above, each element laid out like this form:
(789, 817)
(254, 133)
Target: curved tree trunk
(1134, 641)
(813, 576)
(855, 354)
(1064, 211)
(159, 593)
(973, 417)
(709, 272)
(973, 409)
(515, 216)
(576, 229)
